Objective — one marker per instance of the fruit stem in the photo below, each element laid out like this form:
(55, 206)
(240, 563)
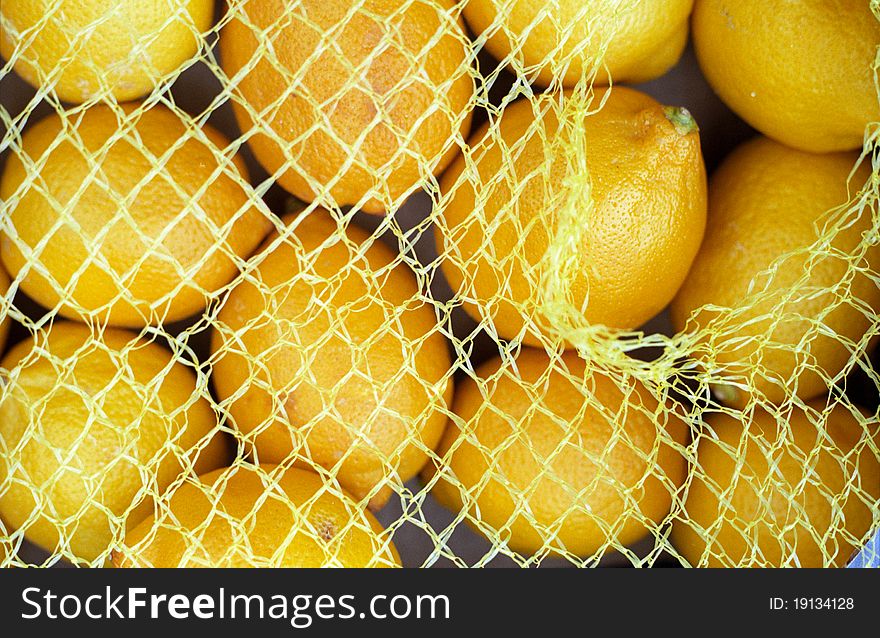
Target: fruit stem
(724, 393)
(681, 119)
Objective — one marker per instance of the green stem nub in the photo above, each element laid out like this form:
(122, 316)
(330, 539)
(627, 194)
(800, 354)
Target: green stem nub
(681, 119)
(726, 394)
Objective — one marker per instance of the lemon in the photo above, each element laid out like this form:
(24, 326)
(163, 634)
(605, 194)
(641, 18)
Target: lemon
(798, 491)
(629, 41)
(87, 49)
(327, 354)
(768, 202)
(799, 72)
(266, 517)
(92, 428)
(550, 456)
(128, 215)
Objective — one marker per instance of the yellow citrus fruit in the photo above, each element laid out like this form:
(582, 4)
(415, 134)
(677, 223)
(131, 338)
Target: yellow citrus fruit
(87, 49)
(350, 104)
(326, 353)
(258, 517)
(635, 232)
(92, 428)
(551, 456)
(630, 41)
(798, 492)
(799, 72)
(767, 201)
(4, 323)
(129, 214)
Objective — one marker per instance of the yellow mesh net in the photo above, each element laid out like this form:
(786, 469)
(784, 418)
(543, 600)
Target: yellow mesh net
(313, 282)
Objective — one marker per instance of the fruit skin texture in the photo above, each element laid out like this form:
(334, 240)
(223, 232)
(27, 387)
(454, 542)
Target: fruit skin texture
(765, 200)
(799, 72)
(85, 423)
(86, 48)
(4, 324)
(580, 487)
(644, 229)
(644, 39)
(326, 354)
(150, 252)
(358, 87)
(303, 522)
(781, 487)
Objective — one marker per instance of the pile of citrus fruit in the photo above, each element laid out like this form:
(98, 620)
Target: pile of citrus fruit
(205, 381)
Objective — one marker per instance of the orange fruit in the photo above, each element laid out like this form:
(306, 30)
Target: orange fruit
(326, 353)
(630, 41)
(799, 72)
(635, 230)
(258, 517)
(798, 491)
(548, 455)
(88, 49)
(351, 104)
(795, 331)
(92, 427)
(129, 214)
(5, 305)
